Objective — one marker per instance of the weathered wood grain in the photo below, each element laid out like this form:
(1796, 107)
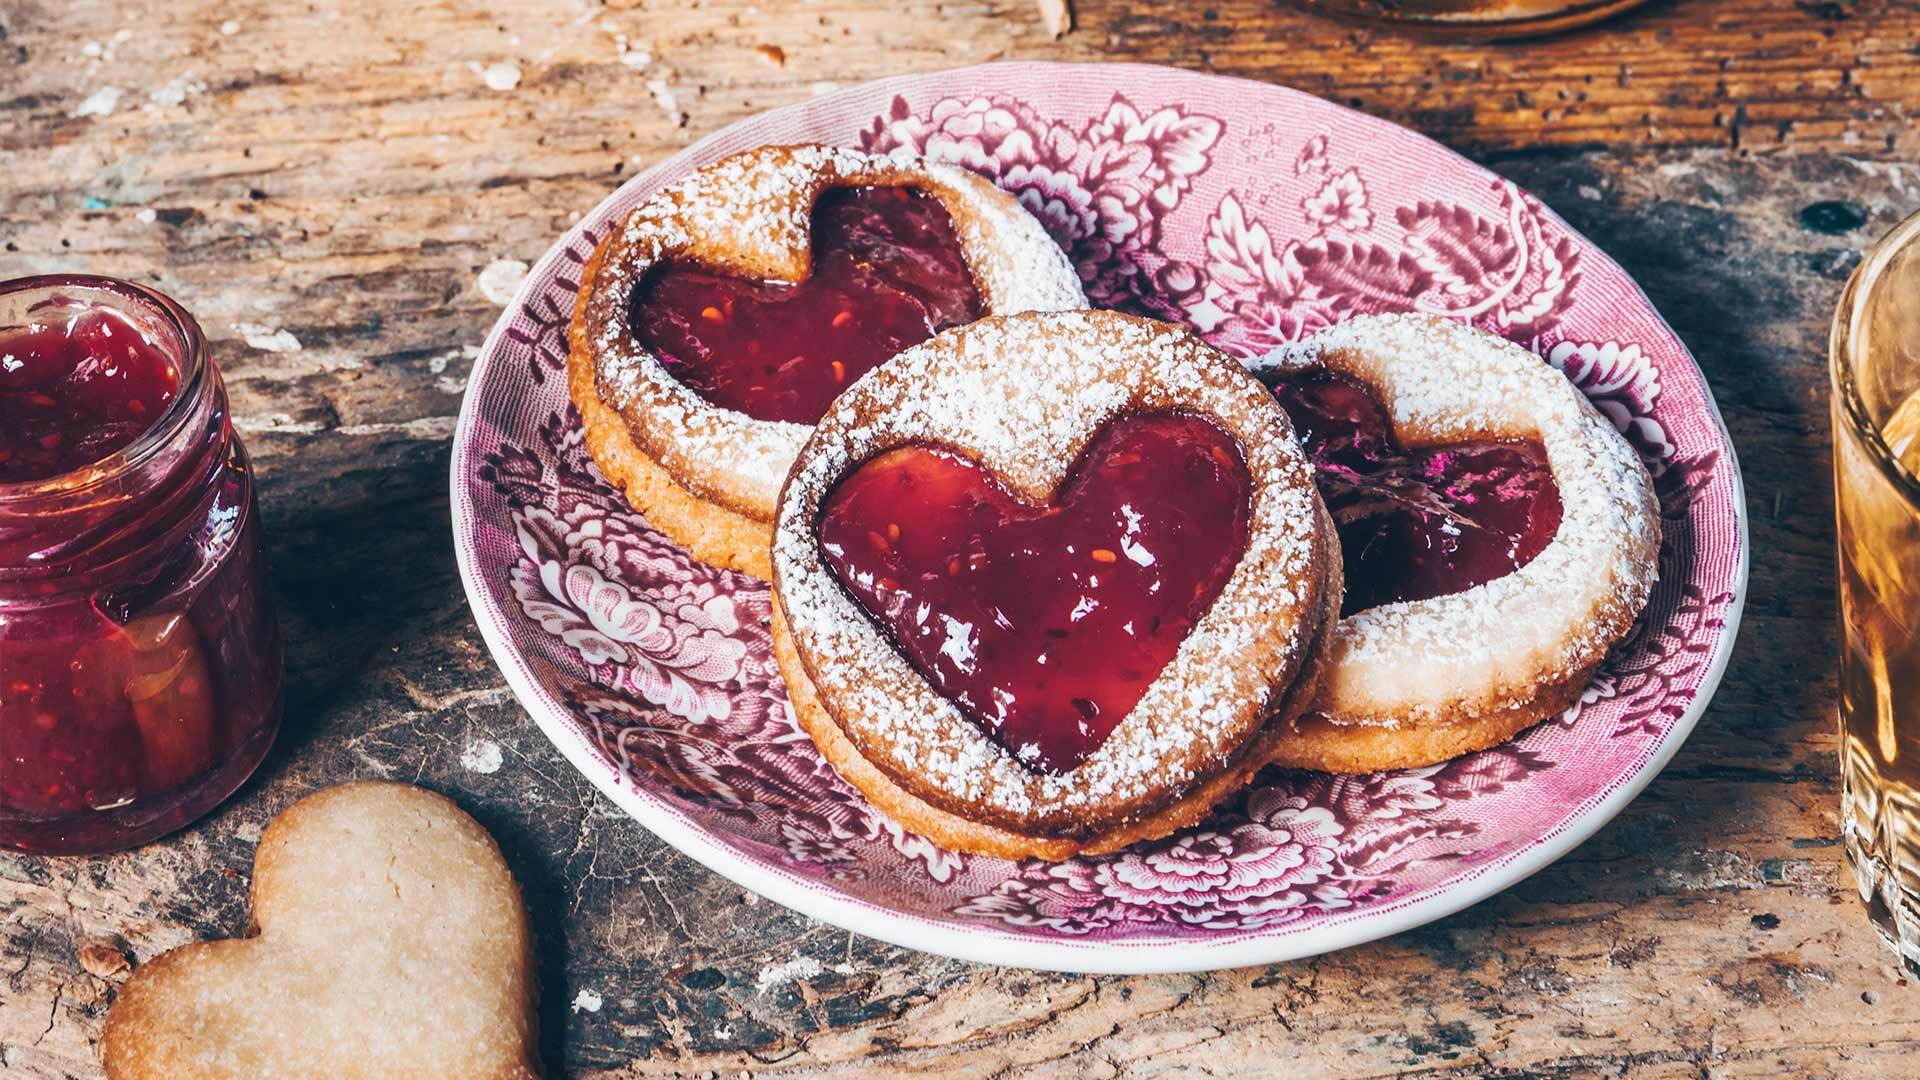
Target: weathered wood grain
(343, 173)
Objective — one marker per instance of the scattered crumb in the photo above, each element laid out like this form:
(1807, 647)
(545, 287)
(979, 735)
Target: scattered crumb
(823, 87)
(587, 1001)
(772, 54)
(268, 339)
(174, 91)
(844, 968)
(483, 757)
(147, 216)
(798, 968)
(437, 365)
(500, 76)
(103, 959)
(1589, 193)
(501, 280)
(664, 96)
(230, 27)
(1056, 16)
(90, 49)
(101, 102)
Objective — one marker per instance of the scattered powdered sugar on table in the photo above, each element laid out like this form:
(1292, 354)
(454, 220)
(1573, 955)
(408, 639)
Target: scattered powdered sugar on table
(797, 969)
(669, 102)
(173, 92)
(267, 338)
(503, 75)
(101, 102)
(482, 756)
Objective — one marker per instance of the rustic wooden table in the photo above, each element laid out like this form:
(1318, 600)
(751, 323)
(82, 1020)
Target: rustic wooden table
(325, 183)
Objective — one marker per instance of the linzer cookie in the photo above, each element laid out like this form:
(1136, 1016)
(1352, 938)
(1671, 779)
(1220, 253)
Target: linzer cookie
(722, 318)
(1052, 583)
(1498, 535)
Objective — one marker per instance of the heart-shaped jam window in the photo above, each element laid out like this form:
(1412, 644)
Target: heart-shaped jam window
(887, 273)
(1045, 623)
(1416, 523)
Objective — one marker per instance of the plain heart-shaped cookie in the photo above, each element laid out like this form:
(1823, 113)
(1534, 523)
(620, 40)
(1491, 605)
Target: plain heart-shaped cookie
(716, 320)
(388, 943)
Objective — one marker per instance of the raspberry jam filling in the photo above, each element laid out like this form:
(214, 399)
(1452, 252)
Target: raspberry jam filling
(75, 388)
(887, 274)
(1045, 624)
(1416, 524)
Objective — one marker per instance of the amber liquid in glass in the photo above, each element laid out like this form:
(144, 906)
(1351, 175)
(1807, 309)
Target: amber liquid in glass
(1879, 546)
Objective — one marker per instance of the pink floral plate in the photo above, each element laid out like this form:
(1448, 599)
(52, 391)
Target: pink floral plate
(1255, 214)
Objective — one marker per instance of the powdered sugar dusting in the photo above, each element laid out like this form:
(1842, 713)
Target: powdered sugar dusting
(749, 214)
(1023, 396)
(1491, 646)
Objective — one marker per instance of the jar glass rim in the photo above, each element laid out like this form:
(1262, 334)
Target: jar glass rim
(194, 373)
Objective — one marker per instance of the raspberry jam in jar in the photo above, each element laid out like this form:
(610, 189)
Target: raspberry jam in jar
(140, 665)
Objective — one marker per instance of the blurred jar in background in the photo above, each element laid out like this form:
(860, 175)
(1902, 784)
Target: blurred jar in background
(1472, 20)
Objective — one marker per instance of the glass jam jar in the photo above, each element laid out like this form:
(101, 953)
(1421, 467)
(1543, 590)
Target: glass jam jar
(140, 664)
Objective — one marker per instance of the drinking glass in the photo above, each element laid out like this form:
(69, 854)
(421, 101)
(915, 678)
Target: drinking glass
(1875, 367)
